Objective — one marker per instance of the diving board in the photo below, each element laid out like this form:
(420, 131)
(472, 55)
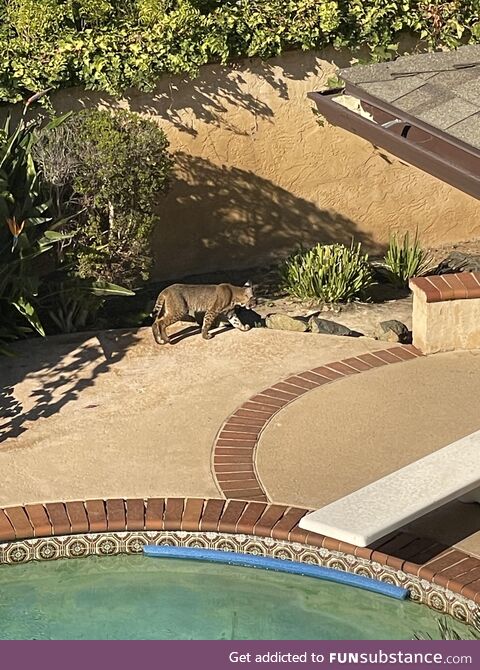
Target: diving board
(379, 508)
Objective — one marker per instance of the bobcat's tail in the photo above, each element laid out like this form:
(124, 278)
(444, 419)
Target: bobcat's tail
(158, 308)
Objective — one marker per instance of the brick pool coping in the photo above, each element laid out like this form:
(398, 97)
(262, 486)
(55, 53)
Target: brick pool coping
(235, 446)
(426, 562)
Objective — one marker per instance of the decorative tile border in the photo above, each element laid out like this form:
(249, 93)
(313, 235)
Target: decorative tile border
(234, 449)
(130, 542)
(444, 578)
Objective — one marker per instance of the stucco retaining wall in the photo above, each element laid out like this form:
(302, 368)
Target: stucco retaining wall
(256, 174)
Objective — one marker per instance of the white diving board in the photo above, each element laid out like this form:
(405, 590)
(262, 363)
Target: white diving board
(378, 509)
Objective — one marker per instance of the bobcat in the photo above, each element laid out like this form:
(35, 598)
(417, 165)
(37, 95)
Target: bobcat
(176, 302)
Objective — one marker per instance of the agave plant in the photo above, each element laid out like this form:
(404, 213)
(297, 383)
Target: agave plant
(404, 260)
(330, 272)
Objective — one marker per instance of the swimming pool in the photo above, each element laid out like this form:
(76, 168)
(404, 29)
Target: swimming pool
(134, 597)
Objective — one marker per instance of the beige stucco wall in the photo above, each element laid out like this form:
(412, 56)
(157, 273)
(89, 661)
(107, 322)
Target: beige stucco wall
(256, 174)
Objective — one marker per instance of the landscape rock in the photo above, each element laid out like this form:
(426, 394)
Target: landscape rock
(457, 261)
(327, 327)
(392, 331)
(285, 322)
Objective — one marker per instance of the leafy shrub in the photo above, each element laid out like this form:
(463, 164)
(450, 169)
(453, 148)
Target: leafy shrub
(111, 45)
(331, 273)
(109, 168)
(404, 260)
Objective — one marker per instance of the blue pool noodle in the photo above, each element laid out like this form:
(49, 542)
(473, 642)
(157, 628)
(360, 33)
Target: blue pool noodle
(277, 565)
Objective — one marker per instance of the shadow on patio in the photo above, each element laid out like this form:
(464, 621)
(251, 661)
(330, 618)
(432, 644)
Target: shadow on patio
(57, 374)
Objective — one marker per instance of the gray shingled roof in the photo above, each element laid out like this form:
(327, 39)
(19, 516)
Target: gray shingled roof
(433, 87)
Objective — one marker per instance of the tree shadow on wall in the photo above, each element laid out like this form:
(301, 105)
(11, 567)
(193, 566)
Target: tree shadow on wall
(226, 217)
(218, 94)
(221, 91)
(207, 98)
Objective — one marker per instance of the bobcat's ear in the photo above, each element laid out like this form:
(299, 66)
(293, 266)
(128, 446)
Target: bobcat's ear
(248, 284)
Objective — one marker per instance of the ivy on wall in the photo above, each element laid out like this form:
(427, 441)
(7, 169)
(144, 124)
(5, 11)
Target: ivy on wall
(112, 45)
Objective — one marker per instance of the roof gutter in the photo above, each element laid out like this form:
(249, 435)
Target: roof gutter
(406, 137)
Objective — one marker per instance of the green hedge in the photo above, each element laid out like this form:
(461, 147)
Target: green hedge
(111, 45)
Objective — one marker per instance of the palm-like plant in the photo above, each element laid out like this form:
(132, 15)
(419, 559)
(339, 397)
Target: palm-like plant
(28, 229)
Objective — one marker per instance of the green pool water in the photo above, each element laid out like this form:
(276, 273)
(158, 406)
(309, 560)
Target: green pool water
(134, 597)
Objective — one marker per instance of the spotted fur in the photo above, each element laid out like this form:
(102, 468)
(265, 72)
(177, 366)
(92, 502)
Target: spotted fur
(178, 301)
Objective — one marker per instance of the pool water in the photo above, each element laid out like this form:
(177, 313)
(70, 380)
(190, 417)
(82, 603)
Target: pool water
(134, 597)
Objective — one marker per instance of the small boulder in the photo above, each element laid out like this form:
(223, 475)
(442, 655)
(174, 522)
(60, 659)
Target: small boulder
(285, 322)
(392, 331)
(456, 261)
(328, 327)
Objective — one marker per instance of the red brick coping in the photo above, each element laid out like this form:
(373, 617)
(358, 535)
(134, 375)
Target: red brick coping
(438, 288)
(423, 558)
(234, 449)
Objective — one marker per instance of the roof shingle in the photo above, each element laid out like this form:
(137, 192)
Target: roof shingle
(441, 88)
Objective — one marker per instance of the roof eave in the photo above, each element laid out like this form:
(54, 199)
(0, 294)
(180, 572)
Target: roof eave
(436, 153)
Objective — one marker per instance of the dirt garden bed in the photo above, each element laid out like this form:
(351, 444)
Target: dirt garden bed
(385, 301)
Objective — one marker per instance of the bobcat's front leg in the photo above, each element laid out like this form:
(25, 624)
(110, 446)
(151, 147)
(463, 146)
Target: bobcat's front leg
(208, 320)
(236, 323)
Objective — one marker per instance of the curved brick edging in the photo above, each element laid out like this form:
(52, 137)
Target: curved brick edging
(234, 449)
(445, 579)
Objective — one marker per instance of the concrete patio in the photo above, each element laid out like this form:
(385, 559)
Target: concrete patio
(114, 415)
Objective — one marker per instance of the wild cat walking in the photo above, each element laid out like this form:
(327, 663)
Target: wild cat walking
(179, 301)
